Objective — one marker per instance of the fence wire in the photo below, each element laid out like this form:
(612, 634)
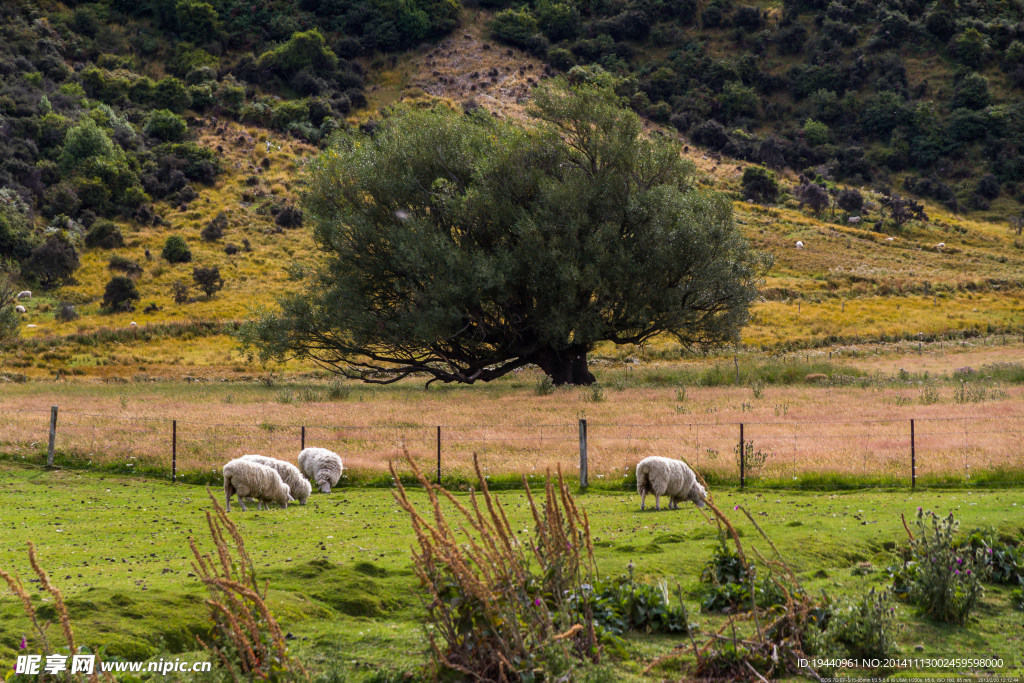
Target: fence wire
(944, 450)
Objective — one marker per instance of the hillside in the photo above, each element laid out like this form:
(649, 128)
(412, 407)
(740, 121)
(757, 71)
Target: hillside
(237, 179)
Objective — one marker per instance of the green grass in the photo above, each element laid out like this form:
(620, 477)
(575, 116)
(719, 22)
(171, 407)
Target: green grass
(341, 579)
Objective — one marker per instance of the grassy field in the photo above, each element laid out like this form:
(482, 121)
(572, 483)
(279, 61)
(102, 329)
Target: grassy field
(804, 415)
(342, 585)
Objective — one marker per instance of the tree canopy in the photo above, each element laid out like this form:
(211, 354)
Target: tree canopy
(463, 247)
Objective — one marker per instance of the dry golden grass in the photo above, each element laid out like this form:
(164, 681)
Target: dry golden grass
(799, 429)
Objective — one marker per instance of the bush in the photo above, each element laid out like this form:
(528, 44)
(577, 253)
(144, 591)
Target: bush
(850, 200)
(759, 184)
(83, 142)
(710, 134)
(124, 265)
(513, 26)
(306, 50)
(728, 581)
(289, 217)
(176, 250)
(969, 47)
(52, 262)
(170, 93)
(941, 577)
(66, 312)
(120, 294)
(104, 235)
(971, 92)
(864, 628)
(987, 187)
(815, 132)
(180, 291)
(165, 125)
(813, 195)
(208, 279)
(17, 238)
(214, 230)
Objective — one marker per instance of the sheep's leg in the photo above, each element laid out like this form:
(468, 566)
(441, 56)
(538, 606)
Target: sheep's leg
(643, 499)
(657, 501)
(241, 501)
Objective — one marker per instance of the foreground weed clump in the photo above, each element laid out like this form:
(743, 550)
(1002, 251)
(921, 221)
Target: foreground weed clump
(864, 628)
(246, 638)
(501, 607)
(941, 576)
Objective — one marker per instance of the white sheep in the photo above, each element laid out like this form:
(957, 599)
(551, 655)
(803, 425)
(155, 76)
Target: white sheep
(668, 477)
(854, 219)
(24, 295)
(31, 326)
(322, 466)
(133, 324)
(799, 244)
(889, 239)
(19, 309)
(253, 480)
(940, 245)
(298, 485)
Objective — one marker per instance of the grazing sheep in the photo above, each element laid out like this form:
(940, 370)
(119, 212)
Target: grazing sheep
(24, 295)
(31, 326)
(854, 219)
(19, 309)
(889, 239)
(940, 245)
(322, 466)
(299, 486)
(799, 244)
(133, 324)
(668, 477)
(253, 480)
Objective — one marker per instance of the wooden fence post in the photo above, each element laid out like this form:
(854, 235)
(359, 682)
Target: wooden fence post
(438, 455)
(913, 457)
(174, 450)
(53, 436)
(743, 453)
(583, 452)
(302, 439)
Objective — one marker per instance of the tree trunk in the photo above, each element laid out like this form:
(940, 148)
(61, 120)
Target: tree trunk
(568, 366)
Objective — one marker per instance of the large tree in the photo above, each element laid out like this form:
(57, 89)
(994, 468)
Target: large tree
(463, 247)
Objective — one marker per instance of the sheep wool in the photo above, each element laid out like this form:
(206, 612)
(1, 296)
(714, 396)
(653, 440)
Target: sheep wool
(321, 466)
(298, 485)
(668, 477)
(252, 480)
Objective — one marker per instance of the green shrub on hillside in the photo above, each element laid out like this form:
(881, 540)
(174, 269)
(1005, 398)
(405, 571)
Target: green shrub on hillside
(165, 125)
(176, 250)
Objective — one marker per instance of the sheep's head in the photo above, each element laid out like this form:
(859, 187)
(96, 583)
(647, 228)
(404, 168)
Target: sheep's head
(698, 495)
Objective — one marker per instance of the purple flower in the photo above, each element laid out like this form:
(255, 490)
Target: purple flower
(24, 643)
(957, 572)
(736, 507)
(919, 508)
(990, 551)
(968, 572)
(536, 601)
(959, 560)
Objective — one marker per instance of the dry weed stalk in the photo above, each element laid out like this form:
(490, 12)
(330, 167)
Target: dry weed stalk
(771, 650)
(246, 638)
(498, 606)
(59, 606)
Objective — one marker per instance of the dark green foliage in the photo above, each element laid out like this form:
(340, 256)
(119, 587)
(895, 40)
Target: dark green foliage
(170, 93)
(625, 604)
(120, 294)
(196, 21)
(971, 92)
(864, 628)
(850, 200)
(104, 234)
(208, 279)
(176, 250)
(941, 577)
(728, 582)
(759, 184)
(66, 313)
(514, 26)
(903, 209)
(812, 195)
(476, 243)
(51, 263)
(17, 238)
(124, 265)
(214, 230)
(165, 125)
(307, 50)
(9, 323)
(969, 47)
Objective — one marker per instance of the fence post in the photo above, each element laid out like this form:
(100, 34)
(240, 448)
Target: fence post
(913, 457)
(302, 439)
(53, 435)
(174, 450)
(438, 455)
(583, 452)
(743, 453)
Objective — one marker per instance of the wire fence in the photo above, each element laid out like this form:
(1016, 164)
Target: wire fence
(930, 450)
